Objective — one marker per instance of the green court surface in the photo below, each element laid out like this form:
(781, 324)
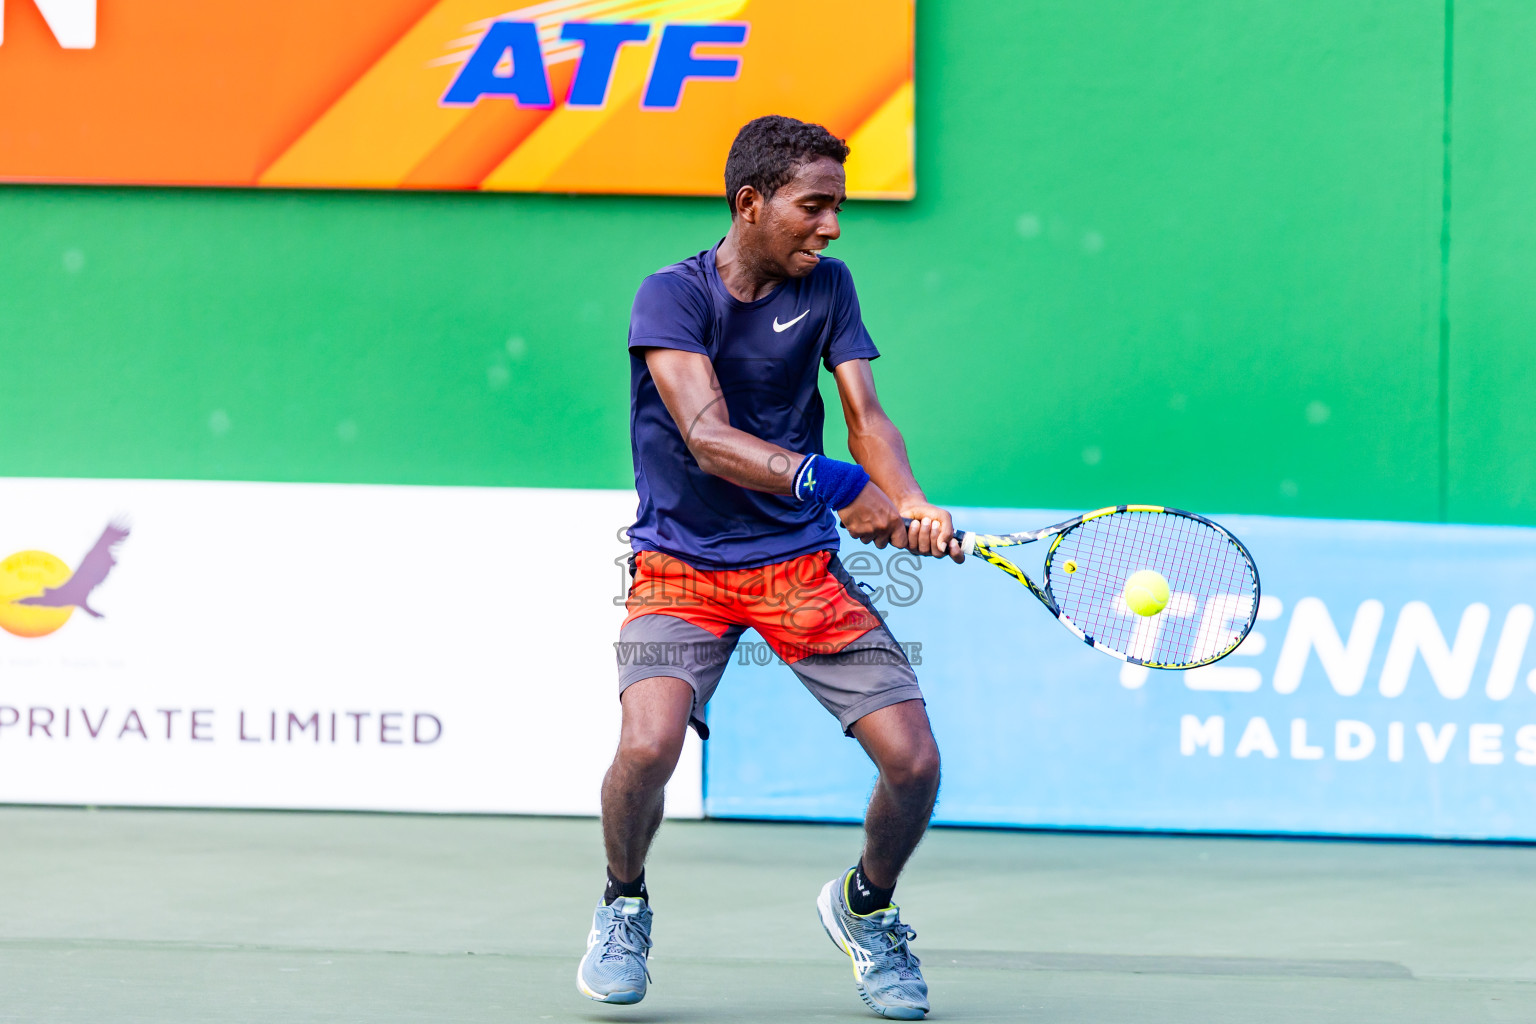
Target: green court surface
(229, 916)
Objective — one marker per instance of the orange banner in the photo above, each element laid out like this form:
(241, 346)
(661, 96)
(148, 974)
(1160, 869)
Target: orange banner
(621, 96)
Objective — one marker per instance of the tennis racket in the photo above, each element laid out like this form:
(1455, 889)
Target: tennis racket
(1212, 580)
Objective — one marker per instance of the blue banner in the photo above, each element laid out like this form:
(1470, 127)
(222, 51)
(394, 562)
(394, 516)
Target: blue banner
(1386, 690)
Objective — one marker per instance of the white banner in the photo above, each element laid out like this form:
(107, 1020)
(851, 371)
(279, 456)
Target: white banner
(312, 646)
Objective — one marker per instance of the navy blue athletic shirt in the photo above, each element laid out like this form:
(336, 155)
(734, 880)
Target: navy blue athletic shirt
(767, 355)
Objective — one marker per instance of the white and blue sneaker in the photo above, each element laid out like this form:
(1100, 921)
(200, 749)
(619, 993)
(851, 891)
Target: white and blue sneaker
(886, 973)
(614, 969)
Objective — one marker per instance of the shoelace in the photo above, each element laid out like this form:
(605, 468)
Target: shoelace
(899, 956)
(624, 932)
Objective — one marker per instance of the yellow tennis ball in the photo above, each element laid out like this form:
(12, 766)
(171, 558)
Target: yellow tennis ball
(1146, 592)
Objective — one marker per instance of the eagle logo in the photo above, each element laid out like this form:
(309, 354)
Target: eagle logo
(38, 593)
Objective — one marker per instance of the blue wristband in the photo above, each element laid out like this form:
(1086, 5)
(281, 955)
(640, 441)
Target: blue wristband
(828, 480)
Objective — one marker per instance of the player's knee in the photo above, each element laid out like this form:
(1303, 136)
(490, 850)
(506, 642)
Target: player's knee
(650, 753)
(915, 770)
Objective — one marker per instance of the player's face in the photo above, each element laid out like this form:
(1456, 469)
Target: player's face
(801, 218)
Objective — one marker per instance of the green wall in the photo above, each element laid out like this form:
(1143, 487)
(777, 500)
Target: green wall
(1492, 298)
(1188, 252)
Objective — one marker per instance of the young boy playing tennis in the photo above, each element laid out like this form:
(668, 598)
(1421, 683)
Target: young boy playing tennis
(735, 531)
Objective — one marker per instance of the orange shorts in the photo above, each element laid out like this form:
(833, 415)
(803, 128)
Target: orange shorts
(798, 606)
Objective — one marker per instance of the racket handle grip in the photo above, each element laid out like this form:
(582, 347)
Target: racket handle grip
(959, 534)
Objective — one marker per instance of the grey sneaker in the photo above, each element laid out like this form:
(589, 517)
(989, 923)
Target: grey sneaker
(885, 971)
(614, 971)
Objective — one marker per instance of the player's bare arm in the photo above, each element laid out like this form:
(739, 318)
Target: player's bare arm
(688, 387)
(878, 446)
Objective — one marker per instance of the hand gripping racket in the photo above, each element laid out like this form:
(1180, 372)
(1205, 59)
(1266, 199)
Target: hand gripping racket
(1212, 581)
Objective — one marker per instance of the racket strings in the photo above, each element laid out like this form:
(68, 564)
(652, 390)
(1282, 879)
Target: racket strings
(1212, 585)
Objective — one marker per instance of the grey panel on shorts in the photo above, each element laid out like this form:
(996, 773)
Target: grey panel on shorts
(870, 673)
(867, 675)
(665, 645)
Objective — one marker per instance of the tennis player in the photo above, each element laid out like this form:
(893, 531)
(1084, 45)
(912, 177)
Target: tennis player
(735, 530)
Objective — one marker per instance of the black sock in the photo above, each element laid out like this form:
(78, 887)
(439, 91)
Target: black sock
(617, 888)
(864, 896)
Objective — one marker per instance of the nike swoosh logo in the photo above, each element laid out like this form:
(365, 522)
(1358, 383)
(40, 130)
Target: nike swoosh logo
(784, 327)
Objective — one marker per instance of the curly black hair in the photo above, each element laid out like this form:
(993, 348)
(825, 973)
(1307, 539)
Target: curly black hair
(769, 150)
